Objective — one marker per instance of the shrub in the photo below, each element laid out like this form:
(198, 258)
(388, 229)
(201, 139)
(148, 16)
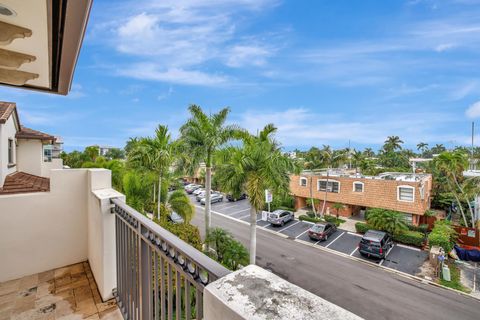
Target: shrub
(310, 219)
(387, 220)
(285, 208)
(414, 238)
(421, 228)
(443, 235)
(362, 227)
(187, 232)
(228, 251)
(334, 220)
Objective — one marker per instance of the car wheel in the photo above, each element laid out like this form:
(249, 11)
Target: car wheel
(326, 237)
(282, 223)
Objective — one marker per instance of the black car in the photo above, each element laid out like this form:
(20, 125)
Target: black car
(321, 231)
(375, 244)
(233, 199)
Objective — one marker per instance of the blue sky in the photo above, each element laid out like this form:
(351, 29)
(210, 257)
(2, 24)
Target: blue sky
(325, 72)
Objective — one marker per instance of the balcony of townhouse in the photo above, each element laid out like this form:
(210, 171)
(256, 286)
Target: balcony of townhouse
(79, 251)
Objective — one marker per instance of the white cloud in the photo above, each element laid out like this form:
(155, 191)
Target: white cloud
(301, 126)
(473, 111)
(242, 55)
(149, 71)
(464, 90)
(444, 47)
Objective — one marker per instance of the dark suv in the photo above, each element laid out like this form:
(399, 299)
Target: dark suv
(375, 244)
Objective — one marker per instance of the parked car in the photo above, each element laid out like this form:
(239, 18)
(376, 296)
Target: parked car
(375, 243)
(280, 217)
(215, 197)
(321, 231)
(202, 194)
(175, 217)
(191, 188)
(198, 191)
(240, 197)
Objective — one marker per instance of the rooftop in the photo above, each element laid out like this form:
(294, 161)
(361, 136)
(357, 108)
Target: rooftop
(27, 133)
(21, 182)
(398, 176)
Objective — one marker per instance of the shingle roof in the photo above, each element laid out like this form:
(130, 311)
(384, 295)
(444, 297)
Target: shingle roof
(6, 109)
(27, 133)
(21, 182)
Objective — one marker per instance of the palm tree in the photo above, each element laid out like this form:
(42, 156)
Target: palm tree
(255, 167)
(422, 146)
(337, 206)
(156, 154)
(393, 143)
(179, 202)
(203, 135)
(329, 157)
(357, 157)
(387, 220)
(438, 148)
(452, 165)
(368, 152)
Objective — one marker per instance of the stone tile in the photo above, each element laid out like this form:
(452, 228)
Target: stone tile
(29, 281)
(46, 276)
(113, 314)
(86, 308)
(68, 293)
(107, 305)
(9, 286)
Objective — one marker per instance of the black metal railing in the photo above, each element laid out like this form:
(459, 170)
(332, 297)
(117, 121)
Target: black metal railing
(159, 276)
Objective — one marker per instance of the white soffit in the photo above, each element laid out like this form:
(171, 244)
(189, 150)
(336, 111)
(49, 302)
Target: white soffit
(31, 14)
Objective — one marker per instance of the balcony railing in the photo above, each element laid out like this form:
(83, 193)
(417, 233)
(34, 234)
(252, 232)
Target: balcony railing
(159, 276)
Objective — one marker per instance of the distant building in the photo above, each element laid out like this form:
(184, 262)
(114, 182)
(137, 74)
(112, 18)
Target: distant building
(405, 192)
(57, 147)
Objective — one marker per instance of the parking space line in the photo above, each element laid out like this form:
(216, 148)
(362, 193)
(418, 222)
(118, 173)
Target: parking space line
(407, 247)
(244, 217)
(288, 226)
(354, 234)
(239, 211)
(328, 245)
(301, 234)
(351, 254)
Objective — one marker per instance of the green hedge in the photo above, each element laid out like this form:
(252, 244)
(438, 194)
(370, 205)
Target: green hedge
(413, 238)
(421, 228)
(285, 208)
(362, 227)
(304, 217)
(333, 219)
(443, 235)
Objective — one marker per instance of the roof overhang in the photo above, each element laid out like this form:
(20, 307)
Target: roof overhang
(40, 41)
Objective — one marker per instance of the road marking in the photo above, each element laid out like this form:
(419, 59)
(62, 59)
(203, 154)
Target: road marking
(239, 211)
(288, 226)
(328, 245)
(351, 254)
(301, 234)
(354, 234)
(407, 247)
(244, 217)
(388, 252)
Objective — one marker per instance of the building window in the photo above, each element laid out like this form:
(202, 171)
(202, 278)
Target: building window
(358, 187)
(10, 151)
(329, 186)
(47, 153)
(406, 193)
(303, 182)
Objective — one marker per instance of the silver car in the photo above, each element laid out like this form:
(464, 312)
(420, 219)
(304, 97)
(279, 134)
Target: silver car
(280, 217)
(216, 197)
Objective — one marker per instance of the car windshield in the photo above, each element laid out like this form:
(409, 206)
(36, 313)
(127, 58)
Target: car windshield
(318, 228)
(273, 215)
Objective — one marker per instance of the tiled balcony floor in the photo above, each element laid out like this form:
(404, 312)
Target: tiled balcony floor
(65, 293)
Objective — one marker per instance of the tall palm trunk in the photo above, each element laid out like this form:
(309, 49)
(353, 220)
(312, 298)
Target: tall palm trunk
(159, 195)
(325, 197)
(459, 203)
(466, 199)
(253, 234)
(311, 197)
(208, 188)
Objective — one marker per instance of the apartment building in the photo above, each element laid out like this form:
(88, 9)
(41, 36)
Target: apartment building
(26, 154)
(404, 192)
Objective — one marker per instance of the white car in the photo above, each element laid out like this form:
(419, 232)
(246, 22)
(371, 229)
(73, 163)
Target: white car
(198, 191)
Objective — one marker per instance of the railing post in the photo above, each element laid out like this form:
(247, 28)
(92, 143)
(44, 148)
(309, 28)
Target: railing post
(145, 282)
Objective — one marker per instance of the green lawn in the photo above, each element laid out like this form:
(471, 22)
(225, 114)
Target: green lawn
(455, 279)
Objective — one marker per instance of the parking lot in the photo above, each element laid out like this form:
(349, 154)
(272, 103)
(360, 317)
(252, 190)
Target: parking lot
(400, 257)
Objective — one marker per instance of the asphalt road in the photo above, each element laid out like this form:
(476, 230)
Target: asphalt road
(363, 289)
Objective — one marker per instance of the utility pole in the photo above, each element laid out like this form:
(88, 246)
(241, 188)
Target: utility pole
(472, 165)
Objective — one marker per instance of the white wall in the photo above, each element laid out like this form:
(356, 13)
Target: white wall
(29, 156)
(47, 166)
(7, 130)
(45, 230)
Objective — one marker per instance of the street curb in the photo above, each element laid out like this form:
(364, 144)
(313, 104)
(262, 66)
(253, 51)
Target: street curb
(400, 273)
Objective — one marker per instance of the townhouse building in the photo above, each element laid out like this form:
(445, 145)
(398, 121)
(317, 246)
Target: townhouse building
(404, 192)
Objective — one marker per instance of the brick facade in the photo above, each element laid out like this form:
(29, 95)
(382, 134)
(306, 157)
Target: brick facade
(377, 193)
